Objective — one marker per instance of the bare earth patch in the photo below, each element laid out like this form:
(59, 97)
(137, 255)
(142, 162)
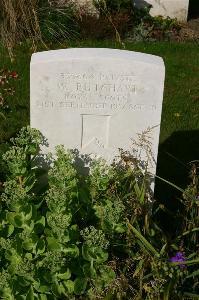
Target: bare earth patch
(190, 30)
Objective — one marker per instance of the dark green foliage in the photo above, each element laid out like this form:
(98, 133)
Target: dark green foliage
(90, 236)
(41, 246)
(114, 5)
(57, 23)
(35, 22)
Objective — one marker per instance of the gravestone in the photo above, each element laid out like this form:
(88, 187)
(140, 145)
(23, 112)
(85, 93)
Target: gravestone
(97, 100)
(167, 8)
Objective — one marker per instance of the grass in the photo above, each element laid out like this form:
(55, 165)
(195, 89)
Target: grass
(179, 138)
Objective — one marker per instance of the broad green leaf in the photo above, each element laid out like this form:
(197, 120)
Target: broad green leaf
(22, 281)
(80, 286)
(94, 253)
(73, 250)
(18, 297)
(101, 256)
(29, 225)
(55, 290)
(48, 277)
(69, 286)
(12, 268)
(66, 237)
(40, 248)
(74, 232)
(48, 232)
(30, 295)
(28, 256)
(10, 230)
(14, 207)
(39, 224)
(10, 218)
(120, 228)
(18, 220)
(107, 274)
(32, 148)
(89, 271)
(28, 244)
(53, 244)
(43, 288)
(145, 243)
(58, 289)
(87, 253)
(12, 256)
(66, 275)
(42, 297)
(105, 277)
(27, 211)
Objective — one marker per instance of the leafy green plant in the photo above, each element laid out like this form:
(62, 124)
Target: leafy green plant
(41, 244)
(167, 267)
(90, 236)
(113, 5)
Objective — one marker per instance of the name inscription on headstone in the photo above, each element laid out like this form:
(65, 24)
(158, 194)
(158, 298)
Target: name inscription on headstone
(96, 100)
(105, 90)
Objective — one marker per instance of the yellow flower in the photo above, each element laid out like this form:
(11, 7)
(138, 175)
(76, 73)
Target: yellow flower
(177, 115)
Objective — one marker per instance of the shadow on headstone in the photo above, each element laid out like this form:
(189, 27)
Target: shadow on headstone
(82, 162)
(174, 164)
(42, 164)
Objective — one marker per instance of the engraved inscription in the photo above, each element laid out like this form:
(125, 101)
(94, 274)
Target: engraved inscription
(93, 105)
(104, 88)
(95, 131)
(108, 87)
(98, 76)
(82, 96)
(96, 91)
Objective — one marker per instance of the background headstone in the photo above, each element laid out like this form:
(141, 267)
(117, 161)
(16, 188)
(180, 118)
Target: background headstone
(97, 100)
(167, 8)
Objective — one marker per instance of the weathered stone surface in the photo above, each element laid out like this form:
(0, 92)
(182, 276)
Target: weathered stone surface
(171, 8)
(97, 100)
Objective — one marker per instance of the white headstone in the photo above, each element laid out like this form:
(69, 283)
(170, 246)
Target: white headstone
(96, 100)
(167, 8)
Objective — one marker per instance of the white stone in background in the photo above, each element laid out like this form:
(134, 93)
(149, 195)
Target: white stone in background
(97, 100)
(166, 8)
(171, 8)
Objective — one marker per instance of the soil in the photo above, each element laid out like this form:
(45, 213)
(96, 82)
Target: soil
(190, 30)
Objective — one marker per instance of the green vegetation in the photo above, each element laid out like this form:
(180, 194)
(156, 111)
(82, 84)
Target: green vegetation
(103, 235)
(39, 21)
(93, 236)
(180, 117)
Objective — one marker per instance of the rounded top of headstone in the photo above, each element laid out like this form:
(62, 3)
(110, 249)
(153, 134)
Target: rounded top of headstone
(86, 53)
